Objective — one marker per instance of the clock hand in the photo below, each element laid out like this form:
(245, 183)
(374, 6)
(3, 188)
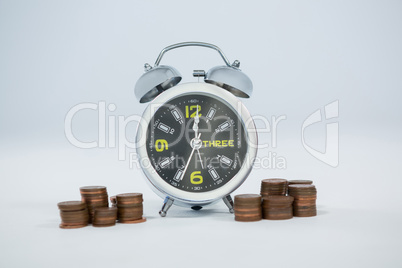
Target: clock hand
(195, 128)
(199, 155)
(188, 161)
(195, 125)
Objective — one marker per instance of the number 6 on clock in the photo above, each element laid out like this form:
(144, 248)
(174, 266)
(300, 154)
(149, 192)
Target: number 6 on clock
(195, 178)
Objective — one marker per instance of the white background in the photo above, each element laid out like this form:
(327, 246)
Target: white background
(300, 55)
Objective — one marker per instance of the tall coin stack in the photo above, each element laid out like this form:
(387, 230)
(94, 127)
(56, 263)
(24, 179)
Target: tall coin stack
(74, 214)
(274, 187)
(305, 197)
(277, 207)
(247, 207)
(130, 208)
(105, 216)
(94, 197)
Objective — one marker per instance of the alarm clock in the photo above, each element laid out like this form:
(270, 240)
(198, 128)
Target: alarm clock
(196, 141)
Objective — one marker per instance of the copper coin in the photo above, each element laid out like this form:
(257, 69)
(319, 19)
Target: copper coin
(143, 219)
(300, 182)
(244, 199)
(92, 188)
(308, 214)
(104, 221)
(104, 225)
(128, 205)
(248, 219)
(67, 226)
(301, 186)
(71, 205)
(129, 196)
(106, 211)
(130, 216)
(279, 199)
(274, 181)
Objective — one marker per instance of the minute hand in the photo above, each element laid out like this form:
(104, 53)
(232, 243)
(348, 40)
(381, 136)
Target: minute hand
(195, 125)
(195, 128)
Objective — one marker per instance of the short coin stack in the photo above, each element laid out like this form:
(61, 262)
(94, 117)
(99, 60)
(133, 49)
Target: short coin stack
(277, 207)
(105, 216)
(305, 197)
(94, 197)
(130, 208)
(273, 187)
(247, 207)
(74, 214)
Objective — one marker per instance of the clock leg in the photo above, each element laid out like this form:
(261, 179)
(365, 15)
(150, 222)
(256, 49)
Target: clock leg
(166, 205)
(229, 202)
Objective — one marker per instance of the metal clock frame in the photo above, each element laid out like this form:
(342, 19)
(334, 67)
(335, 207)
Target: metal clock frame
(191, 199)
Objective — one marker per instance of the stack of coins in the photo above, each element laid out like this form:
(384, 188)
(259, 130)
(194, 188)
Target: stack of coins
(74, 214)
(94, 197)
(247, 207)
(305, 196)
(104, 217)
(273, 187)
(299, 182)
(130, 208)
(277, 207)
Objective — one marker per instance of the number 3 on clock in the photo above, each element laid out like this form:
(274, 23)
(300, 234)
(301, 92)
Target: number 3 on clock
(193, 109)
(195, 178)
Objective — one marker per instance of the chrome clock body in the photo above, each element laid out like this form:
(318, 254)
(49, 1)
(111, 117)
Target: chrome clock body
(196, 141)
(182, 197)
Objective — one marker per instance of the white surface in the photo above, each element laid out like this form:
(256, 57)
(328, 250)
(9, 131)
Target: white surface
(358, 222)
(300, 55)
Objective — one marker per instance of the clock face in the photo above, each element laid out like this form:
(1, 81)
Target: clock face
(196, 143)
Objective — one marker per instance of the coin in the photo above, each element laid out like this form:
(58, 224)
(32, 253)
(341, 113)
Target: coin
(103, 225)
(142, 219)
(300, 182)
(274, 181)
(129, 198)
(247, 199)
(66, 226)
(71, 205)
(92, 189)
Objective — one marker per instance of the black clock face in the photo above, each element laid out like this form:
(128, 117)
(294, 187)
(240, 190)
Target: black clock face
(196, 143)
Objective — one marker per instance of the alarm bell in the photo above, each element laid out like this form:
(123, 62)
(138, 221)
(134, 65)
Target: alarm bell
(159, 78)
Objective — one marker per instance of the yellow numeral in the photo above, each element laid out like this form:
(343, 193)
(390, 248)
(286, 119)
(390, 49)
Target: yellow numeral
(195, 178)
(193, 108)
(163, 144)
